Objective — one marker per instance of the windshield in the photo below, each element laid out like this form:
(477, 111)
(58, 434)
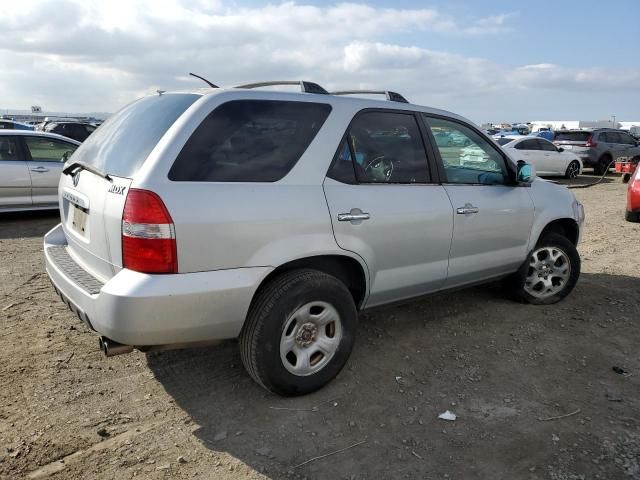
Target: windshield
(504, 141)
(122, 143)
(573, 136)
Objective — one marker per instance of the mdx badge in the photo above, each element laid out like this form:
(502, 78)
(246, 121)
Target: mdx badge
(118, 189)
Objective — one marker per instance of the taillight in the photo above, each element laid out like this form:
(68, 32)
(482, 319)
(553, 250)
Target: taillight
(591, 142)
(148, 234)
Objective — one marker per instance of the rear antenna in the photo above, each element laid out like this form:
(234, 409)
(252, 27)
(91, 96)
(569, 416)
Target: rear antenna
(212, 85)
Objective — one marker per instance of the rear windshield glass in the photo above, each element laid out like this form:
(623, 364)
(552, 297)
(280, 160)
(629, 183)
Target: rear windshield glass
(249, 141)
(504, 141)
(573, 136)
(122, 143)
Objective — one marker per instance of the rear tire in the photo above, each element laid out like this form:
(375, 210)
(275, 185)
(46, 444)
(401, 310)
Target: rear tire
(573, 170)
(602, 166)
(632, 216)
(299, 332)
(550, 272)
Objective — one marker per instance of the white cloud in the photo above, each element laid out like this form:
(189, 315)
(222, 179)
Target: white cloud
(87, 56)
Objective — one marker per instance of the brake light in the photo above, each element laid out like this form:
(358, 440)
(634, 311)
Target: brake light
(591, 142)
(148, 234)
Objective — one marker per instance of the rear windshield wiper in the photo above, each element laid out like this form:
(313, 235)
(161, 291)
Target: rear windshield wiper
(73, 166)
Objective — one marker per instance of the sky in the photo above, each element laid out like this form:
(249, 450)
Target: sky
(487, 60)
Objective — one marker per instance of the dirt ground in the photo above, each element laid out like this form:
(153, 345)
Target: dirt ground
(505, 369)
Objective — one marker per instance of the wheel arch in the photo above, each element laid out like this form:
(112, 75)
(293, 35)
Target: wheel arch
(347, 269)
(567, 227)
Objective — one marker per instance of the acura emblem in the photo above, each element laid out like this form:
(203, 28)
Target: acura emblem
(76, 179)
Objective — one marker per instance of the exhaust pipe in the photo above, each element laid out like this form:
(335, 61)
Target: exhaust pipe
(111, 348)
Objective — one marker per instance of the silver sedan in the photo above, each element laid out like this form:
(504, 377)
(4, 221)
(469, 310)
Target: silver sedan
(30, 167)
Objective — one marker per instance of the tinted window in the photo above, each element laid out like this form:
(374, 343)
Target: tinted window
(387, 148)
(123, 142)
(573, 136)
(8, 148)
(249, 141)
(612, 137)
(6, 125)
(626, 138)
(342, 168)
(475, 161)
(44, 149)
(546, 145)
(531, 144)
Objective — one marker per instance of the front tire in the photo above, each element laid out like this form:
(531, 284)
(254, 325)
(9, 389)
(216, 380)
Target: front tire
(573, 170)
(299, 332)
(549, 274)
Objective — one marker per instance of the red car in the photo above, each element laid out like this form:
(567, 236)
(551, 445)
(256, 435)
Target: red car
(633, 198)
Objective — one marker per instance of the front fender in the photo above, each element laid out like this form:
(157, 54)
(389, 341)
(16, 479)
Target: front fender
(552, 202)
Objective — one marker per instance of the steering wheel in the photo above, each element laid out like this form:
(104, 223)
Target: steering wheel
(380, 166)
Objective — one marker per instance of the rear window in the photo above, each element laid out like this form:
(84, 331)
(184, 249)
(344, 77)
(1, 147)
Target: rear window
(573, 136)
(123, 142)
(249, 141)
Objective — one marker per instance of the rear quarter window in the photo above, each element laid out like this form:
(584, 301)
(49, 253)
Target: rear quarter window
(249, 141)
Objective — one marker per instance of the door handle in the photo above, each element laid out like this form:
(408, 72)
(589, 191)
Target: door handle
(467, 209)
(350, 217)
(39, 169)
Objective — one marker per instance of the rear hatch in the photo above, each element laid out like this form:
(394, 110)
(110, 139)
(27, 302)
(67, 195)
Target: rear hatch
(93, 193)
(573, 140)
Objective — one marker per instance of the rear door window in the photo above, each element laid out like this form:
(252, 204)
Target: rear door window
(612, 137)
(387, 147)
(249, 141)
(531, 144)
(545, 145)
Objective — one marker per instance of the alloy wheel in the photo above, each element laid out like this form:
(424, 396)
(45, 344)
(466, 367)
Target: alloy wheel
(549, 271)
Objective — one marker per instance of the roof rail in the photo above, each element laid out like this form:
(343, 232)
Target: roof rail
(306, 87)
(391, 96)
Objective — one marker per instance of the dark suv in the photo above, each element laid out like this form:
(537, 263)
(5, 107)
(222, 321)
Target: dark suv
(599, 147)
(77, 130)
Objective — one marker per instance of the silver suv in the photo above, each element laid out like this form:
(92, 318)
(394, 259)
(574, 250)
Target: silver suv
(600, 147)
(275, 217)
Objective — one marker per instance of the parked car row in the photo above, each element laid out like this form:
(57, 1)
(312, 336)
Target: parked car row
(597, 148)
(13, 125)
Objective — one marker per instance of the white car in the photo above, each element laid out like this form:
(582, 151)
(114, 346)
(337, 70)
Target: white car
(547, 159)
(30, 167)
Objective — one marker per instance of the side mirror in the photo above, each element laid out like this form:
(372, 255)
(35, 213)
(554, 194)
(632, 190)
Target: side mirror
(525, 173)
(560, 149)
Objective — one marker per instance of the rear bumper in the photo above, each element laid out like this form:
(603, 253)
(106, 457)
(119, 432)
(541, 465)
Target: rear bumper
(140, 309)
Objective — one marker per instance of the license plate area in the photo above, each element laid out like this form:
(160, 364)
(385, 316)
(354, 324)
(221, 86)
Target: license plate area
(78, 219)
